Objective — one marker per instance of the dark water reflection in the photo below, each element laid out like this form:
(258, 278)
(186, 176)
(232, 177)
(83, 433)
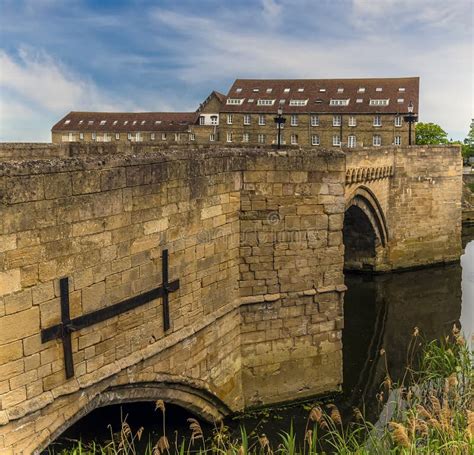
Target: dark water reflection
(381, 312)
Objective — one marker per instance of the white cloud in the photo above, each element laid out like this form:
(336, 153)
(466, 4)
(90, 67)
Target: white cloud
(271, 12)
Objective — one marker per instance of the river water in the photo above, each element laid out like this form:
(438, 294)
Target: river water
(381, 312)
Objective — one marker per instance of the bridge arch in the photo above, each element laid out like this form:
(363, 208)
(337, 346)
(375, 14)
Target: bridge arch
(365, 230)
(197, 400)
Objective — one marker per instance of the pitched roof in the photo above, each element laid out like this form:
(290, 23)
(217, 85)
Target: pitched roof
(112, 122)
(315, 95)
(219, 96)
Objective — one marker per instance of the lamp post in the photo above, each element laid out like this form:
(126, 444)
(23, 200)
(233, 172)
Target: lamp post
(410, 118)
(279, 120)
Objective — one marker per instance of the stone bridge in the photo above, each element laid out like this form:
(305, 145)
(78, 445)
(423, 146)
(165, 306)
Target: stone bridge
(90, 310)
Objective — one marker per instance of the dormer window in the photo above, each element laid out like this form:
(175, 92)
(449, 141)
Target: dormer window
(157, 122)
(256, 90)
(400, 100)
(301, 90)
(298, 102)
(115, 122)
(213, 119)
(339, 102)
(359, 100)
(103, 122)
(401, 89)
(319, 101)
(250, 100)
(67, 122)
(81, 122)
(134, 122)
(269, 90)
(322, 90)
(90, 122)
(125, 122)
(235, 101)
(286, 90)
(265, 102)
(378, 89)
(361, 90)
(238, 90)
(379, 102)
(143, 122)
(340, 90)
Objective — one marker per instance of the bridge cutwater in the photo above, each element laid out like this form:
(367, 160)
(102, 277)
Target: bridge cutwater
(207, 277)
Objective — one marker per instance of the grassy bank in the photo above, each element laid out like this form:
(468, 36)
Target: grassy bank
(429, 412)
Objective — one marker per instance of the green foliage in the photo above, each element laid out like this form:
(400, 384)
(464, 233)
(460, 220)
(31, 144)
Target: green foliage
(430, 134)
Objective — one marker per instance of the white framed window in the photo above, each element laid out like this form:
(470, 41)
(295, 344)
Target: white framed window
(352, 121)
(398, 120)
(256, 90)
(125, 122)
(103, 122)
(230, 119)
(269, 90)
(322, 90)
(192, 137)
(261, 138)
(301, 89)
(163, 136)
(238, 90)
(400, 100)
(336, 120)
(214, 120)
(117, 136)
(265, 102)
(286, 90)
(398, 140)
(81, 122)
(235, 101)
(81, 136)
(229, 137)
(245, 137)
(377, 120)
(157, 122)
(340, 90)
(315, 139)
(246, 119)
(294, 139)
(176, 137)
(361, 90)
(339, 102)
(138, 137)
(129, 136)
(401, 89)
(94, 136)
(298, 102)
(152, 136)
(142, 122)
(212, 137)
(202, 120)
(378, 89)
(351, 141)
(250, 100)
(315, 120)
(336, 140)
(377, 140)
(379, 102)
(261, 120)
(90, 122)
(67, 122)
(359, 100)
(134, 122)
(294, 120)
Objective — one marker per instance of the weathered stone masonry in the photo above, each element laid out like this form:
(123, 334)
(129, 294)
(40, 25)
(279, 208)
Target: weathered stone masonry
(242, 321)
(255, 238)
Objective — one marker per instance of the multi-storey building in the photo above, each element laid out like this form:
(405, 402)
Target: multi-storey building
(317, 112)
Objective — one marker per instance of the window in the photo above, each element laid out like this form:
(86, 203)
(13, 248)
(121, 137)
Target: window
(245, 137)
(359, 100)
(340, 90)
(115, 122)
(400, 100)
(294, 120)
(230, 119)
(315, 120)
(163, 136)
(336, 140)
(301, 90)
(398, 120)
(103, 122)
(134, 122)
(294, 139)
(269, 90)
(401, 89)
(192, 137)
(238, 90)
(398, 140)
(265, 102)
(338, 102)
(126, 121)
(378, 102)
(352, 121)
(214, 119)
(319, 101)
(282, 101)
(90, 122)
(152, 136)
(256, 90)
(298, 102)
(157, 122)
(336, 120)
(377, 120)
(81, 122)
(202, 120)
(94, 136)
(250, 100)
(246, 119)
(81, 136)
(377, 140)
(212, 137)
(286, 90)
(361, 90)
(315, 139)
(67, 122)
(229, 137)
(138, 137)
(117, 136)
(176, 137)
(261, 138)
(378, 89)
(261, 120)
(237, 101)
(322, 90)
(351, 141)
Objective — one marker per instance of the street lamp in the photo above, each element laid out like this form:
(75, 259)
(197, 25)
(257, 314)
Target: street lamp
(410, 118)
(279, 120)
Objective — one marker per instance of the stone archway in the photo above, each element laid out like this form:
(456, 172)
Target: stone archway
(365, 231)
(196, 400)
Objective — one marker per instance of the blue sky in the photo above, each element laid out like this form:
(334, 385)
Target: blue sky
(142, 55)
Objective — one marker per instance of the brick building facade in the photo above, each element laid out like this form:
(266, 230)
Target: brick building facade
(317, 112)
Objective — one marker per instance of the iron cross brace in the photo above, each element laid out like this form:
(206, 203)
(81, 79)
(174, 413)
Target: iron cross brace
(67, 325)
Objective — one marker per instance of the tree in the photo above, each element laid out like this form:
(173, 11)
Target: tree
(430, 133)
(468, 148)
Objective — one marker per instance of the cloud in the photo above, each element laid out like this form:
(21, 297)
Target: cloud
(271, 12)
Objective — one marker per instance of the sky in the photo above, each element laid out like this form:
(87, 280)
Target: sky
(168, 55)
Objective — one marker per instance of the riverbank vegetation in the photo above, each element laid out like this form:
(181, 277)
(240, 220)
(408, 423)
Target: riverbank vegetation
(430, 411)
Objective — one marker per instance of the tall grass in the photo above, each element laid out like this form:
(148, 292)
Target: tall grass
(433, 414)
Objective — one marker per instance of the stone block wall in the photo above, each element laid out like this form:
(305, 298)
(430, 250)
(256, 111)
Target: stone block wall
(102, 219)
